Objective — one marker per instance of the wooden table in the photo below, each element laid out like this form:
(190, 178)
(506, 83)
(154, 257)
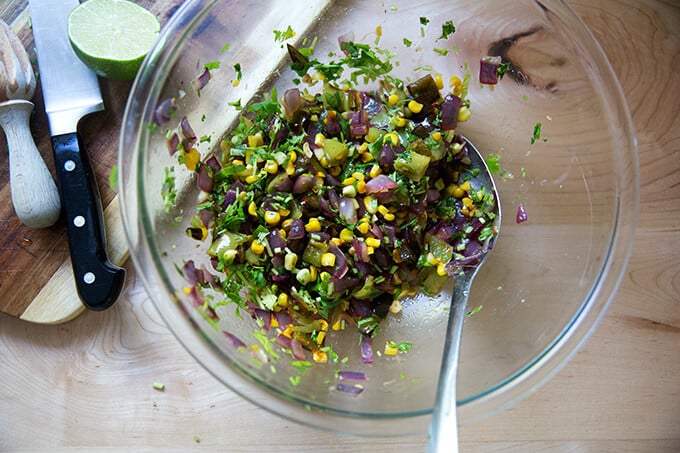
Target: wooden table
(88, 383)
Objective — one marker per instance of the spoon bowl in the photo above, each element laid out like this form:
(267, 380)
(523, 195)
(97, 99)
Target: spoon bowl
(444, 425)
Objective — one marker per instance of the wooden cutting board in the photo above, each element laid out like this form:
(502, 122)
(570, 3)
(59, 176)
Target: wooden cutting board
(36, 279)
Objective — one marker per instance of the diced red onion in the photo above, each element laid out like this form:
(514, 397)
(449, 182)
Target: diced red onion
(358, 123)
(449, 112)
(208, 276)
(164, 111)
(235, 341)
(284, 341)
(381, 183)
(347, 209)
(488, 70)
(204, 179)
(265, 316)
(387, 156)
(191, 274)
(276, 241)
(297, 229)
(206, 216)
(353, 389)
(342, 284)
(213, 162)
(361, 250)
(297, 349)
(303, 183)
(283, 318)
(291, 101)
(341, 267)
(187, 130)
(173, 143)
(351, 376)
(522, 215)
(201, 80)
(366, 349)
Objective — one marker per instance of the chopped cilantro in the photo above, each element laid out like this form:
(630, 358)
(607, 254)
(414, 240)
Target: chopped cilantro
(407, 42)
(282, 35)
(493, 162)
(502, 69)
(225, 47)
(537, 133)
(424, 20)
(212, 65)
(474, 311)
(239, 73)
(168, 191)
(295, 380)
(443, 52)
(447, 29)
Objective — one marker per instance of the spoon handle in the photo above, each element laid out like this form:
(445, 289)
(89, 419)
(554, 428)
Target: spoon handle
(34, 193)
(443, 436)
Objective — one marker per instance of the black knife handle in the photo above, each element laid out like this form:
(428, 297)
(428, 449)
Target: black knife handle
(98, 281)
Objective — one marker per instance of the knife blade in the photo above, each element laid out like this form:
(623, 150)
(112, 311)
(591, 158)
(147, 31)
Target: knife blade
(71, 91)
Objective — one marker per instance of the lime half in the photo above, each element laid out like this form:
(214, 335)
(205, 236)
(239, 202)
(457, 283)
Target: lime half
(112, 37)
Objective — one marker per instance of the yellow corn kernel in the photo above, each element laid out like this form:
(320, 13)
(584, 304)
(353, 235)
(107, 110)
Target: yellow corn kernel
(438, 80)
(337, 241)
(187, 290)
(349, 181)
(366, 157)
(371, 204)
(465, 212)
(415, 106)
(401, 121)
(256, 247)
(361, 187)
(370, 250)
(283, 300)
(375, 171)
(358, 176)
(393, 99)
(467, 201)
(236, 162)
(286, 223)
(396, 306)
(191, 159)
(272, 217)
(455, 81)
(363, 227)
(437, 135)
(441, 270)
(392, 137)
(465, 186)
(389, 217)
(288, 331)
(346, 235)
(464, 114)
(313, 273)
(324, 325)
(319, 138)
(250, 179)
(236, 83)
(252, 209)
(313, 226)
(339, 324)
(378, 30)
(391, 348)
(271, 167)
(320, 337)
(319, 356)
(383, 209)
(373, 242)
(290, 168)
(362, 148)
(292, 156)
(283, 212)
(289, 261)
(255, 140)
(349, 191)
(328, 259)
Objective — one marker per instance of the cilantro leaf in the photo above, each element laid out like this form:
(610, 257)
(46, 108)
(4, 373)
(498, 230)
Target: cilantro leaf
(447, 29)
(537, 133)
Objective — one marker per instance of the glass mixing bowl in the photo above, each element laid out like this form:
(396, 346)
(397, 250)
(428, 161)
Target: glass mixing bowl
(548, 280)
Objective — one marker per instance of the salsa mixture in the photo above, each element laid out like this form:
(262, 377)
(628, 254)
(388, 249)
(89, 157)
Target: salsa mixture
(328, 205)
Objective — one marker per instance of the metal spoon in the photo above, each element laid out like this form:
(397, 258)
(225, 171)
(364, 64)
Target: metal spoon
(444, 424)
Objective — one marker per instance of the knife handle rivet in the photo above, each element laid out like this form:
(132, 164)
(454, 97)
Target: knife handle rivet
(79, 221)
(69, 165)
(89, 278)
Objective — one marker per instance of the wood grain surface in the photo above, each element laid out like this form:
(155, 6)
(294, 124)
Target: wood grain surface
(87, 384)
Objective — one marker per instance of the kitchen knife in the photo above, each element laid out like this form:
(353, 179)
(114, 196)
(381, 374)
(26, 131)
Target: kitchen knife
(71, 91)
